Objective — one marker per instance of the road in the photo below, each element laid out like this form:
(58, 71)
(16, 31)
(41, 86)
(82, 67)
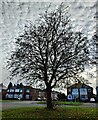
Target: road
(90, 105)
(6, 105)
(17, 104)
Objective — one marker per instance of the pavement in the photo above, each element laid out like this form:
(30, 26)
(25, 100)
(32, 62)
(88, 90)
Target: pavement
(17, 104)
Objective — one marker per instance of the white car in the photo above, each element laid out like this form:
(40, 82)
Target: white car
(39, 99)
(92, 100)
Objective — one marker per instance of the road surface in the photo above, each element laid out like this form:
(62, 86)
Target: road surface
(17, 104)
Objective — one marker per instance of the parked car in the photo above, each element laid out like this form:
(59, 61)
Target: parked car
(92, 100)
(44, 99)
(38, 99)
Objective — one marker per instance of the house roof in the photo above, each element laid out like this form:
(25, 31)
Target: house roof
(25, 87)
(80, 85)
(15, 87)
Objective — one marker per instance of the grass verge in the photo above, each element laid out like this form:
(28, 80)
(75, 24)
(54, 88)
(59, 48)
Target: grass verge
(61, 103)
(9, 100)
(59, 113)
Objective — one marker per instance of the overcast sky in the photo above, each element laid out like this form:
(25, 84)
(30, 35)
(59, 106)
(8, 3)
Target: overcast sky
(14, 15)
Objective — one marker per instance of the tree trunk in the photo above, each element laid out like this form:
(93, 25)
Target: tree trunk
(49, 99)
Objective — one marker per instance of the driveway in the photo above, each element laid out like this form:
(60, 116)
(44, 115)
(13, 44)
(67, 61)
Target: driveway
(17, 104)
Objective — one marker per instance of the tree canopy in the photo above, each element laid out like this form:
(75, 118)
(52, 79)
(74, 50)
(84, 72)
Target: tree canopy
(49, 51)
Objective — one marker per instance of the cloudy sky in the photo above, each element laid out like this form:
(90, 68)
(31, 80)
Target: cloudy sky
(14, 14)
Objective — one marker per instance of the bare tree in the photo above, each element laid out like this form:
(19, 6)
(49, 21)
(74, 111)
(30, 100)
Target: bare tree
(49, 51)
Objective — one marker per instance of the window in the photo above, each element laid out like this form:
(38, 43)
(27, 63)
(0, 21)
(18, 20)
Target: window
(9, 95)
(83, 97)
(21, 90)
(75, 93)
(16, 90)
(27, 96)
(27, 90)
(69, 90)
(16, 95)
(75, 96)
(20, 96)
(83, 91)
(89, 90)
(11, 90)
(8, 90)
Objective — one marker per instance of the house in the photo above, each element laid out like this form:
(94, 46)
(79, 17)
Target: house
(2, 91)
(79, 92)
(20, 91)
(38, 94)
(41, 94)
(97, 93)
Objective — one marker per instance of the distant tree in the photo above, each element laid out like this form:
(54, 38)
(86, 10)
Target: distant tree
(14, 85)
(49, 51)
(10, 85)
(17, 85)
(61, 97)
(21, 84)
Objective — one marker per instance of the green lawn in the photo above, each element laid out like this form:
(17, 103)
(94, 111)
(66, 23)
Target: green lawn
(9, 100)
(59, 113)
(62, 103)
